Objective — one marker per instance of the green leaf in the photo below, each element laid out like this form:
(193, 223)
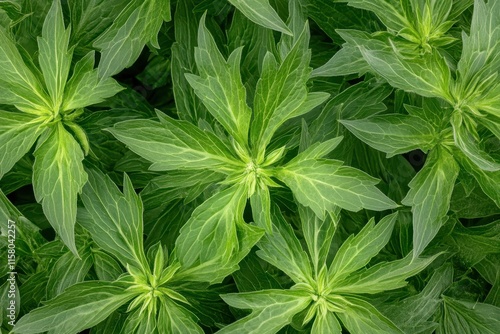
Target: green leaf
(346, 61)
(324, 184)
(175, 319)
(219, 85)
(106, 267)
(68, 270)
(394, 133)
(488, 181)
(281, 92)
(188, 106)
(318, 234)
(317, 150)
(390, 12)
(429, 196)
(271, 310)
(473, 244)
(19, 86)
(214, 235)
(466, 317)
(479, 53)
(468, 145)
(358, 250)
(261, 12)
(174, 144)
(54, 56)
(427, 75)
(383, 276)
(326, 323)
(81, 306)
(90, 19)
(114, 219)
(18, 133)
(122, 43)
(85, 88)
(254, 275)
(282, 249)
(260, 202)
(415, 312)
(58, 177)
(361, 317)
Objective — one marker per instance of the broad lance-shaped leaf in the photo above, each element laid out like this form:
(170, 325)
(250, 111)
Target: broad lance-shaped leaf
(414, 313)
(68, 270)
(113, 218)
(383, 276)
(173, 144)
(346, 61)
(260, 202)
(394, 133)
(81, 306)
(282, 249)
(85, 88)
(281, 92)
(271, 310)
(213, 235)
(361, 317)
(467, 144)
(122, 43)
(390, 12)
(58, 178)
(261, 12)
(175, 319)
(488, 181)
(18, 133)
(359, 249)
(323, 184)
(429, 196)
(427, 75)
(54, 57)
(318, 234)
(326, 323)
(219, 85)
(18, 85)
(468, 317)
(480, 50)
(473, 244)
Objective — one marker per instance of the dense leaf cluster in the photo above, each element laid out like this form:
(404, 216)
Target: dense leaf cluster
(253, 166)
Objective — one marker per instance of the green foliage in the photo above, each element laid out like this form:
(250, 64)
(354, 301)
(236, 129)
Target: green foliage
(301, 166)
